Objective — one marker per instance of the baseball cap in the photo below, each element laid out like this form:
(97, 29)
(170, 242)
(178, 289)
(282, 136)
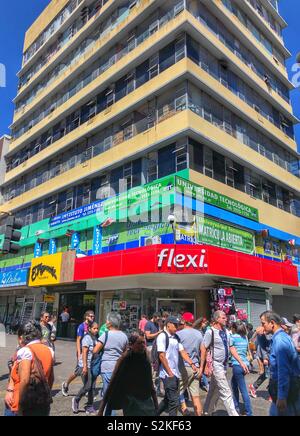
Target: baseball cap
(188, 317)
(284, 321)
(173, 320)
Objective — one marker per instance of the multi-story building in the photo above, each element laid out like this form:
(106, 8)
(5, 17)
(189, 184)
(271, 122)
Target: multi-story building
(4, 141)
(142, 90)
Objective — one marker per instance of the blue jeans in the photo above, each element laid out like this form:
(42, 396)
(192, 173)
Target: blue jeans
(238, 384)
(106, 377)
(8, 412)
(292, 410)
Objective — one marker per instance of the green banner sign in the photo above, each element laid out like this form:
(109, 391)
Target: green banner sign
(216, 199)
(212, 232)
(139, 202)
(123, 233)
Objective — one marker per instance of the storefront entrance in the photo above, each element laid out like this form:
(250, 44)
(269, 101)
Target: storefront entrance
(78, 304)
(176, 306)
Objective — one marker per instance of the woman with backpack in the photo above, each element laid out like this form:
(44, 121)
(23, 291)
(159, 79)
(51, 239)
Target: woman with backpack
(85, 362)
(29, 388)
(131, 387)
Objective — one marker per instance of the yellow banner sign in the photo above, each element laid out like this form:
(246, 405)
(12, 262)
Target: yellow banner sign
(49, 299)
(45, 270)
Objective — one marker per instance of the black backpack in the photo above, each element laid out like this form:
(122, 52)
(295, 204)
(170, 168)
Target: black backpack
(154, 353)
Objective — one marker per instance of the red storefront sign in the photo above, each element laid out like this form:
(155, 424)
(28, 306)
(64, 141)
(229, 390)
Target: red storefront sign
(185, 259)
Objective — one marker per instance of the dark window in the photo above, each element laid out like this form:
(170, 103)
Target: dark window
(166, 161)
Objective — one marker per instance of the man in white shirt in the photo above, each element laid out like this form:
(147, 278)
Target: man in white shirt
(169, 348)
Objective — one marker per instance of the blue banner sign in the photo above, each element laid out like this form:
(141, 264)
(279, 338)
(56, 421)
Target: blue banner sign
(52, 246)
(38, 250)
(75, 241)
(97, 240)
(81, 212)
(16, 277)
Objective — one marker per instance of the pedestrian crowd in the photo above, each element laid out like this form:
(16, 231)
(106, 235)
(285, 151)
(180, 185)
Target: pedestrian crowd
(171, 356)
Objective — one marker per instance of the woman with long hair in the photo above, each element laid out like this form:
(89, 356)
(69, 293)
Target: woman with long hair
(239, 341)
(131, 387)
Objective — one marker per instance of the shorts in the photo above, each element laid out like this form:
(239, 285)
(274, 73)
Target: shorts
(78, 371)
(188, 381)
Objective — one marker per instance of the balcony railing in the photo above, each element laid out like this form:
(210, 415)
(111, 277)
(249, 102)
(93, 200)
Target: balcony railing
(135, 42)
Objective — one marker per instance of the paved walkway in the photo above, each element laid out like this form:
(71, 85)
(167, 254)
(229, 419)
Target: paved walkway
(65, 356)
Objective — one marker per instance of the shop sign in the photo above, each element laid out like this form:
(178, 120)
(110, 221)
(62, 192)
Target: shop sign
(123, 233)
(119, 305)
(182, 261)
(89, 300)
(46, 270)
(216, 199)
(211, 232)
(16, 277)
(134, 202)
(49, 299)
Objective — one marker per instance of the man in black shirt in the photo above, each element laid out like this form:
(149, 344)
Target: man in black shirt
(152, 330)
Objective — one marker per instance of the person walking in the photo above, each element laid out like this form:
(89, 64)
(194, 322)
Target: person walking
(88, 344)
(46, 329)
(152, 329)
(82, 330)
(284, 386)
(296, 331)
(112, 344)
(31, 380)
(191, 340)
(143, 322)
(169, 349)
(131, 387)
(240, 342)
(263, 343)
(218, 340)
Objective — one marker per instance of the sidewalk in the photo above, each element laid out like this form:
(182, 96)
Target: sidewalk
(66, 359)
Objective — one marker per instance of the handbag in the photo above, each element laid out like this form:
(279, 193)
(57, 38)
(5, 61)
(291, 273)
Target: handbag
(209, 366)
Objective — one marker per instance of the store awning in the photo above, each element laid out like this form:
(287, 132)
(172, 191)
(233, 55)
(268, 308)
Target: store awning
(182, 261)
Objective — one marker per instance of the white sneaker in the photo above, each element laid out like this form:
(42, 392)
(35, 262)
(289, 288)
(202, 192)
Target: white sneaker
(64, 389)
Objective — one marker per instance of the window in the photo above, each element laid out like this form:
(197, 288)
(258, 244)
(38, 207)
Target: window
(110, 97)
(153, 66)
(208, 162)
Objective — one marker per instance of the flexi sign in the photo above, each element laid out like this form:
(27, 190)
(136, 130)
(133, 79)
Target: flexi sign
(185, 260)
(182, 261)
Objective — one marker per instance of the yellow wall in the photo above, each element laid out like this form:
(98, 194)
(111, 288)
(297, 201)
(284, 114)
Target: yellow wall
(99, 45)
(40, 24)
(244, 31)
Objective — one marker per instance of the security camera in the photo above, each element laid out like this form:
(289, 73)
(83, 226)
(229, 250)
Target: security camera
(171, 219)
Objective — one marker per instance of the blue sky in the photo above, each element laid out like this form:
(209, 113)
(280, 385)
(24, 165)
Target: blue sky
(16, 16)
